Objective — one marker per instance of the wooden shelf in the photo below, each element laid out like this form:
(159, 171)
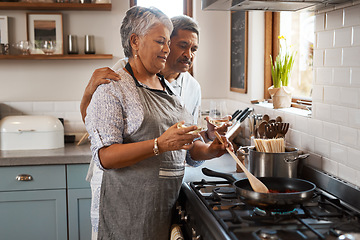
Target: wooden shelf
(57, 57)
(55, 6)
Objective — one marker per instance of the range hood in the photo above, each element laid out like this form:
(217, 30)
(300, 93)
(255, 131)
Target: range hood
(269, 5)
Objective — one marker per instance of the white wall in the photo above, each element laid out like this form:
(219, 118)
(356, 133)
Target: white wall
(212, 63)
(60, 80)
(335, 127)
(332, 134)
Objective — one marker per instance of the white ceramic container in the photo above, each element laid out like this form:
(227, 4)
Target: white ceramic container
(31, 132)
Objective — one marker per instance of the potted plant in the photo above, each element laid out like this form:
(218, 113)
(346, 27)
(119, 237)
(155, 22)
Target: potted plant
(281, 92)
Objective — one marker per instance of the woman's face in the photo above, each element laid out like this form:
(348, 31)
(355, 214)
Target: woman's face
(154, 48)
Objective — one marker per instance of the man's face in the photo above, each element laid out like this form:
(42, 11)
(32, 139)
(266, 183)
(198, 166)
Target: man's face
(182, 50)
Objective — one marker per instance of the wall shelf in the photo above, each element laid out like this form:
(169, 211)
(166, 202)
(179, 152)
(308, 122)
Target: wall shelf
(55, 6)
(57, 57)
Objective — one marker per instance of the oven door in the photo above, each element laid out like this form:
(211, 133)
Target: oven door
(196, 220)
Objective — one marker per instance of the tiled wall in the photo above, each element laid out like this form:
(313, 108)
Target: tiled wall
(68, 110)
(332, 133)
(335, 126)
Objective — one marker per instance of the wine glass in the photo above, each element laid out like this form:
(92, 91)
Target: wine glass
(218, 113)
(48, 47)
(198, 120)
(24, 47)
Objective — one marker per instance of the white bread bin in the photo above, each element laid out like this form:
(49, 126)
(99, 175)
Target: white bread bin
(31, 132)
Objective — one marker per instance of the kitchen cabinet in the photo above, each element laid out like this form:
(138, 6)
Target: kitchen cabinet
(58, 7)
(33, 202)
(45, 202)
(79, 202)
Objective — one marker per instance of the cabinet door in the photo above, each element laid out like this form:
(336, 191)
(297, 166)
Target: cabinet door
(33, 215)
(79, 202)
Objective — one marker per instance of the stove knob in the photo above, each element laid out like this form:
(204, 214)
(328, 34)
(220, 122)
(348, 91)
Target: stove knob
(183, 216)
(194, 235)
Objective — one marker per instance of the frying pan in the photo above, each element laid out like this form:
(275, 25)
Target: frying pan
(299, 191)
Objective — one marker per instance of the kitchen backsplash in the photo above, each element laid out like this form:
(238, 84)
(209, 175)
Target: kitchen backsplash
(331, 134)
(68, 110)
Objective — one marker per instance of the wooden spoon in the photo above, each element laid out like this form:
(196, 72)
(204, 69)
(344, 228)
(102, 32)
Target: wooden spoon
(266, 117)
(255, 183)
(261, 129)
(270, 131)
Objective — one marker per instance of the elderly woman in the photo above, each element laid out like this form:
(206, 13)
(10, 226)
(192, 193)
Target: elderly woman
(134, 135)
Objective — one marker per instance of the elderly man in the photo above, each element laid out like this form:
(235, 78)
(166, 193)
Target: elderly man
(183, 47)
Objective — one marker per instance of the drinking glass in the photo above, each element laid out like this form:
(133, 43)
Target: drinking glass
(201, 120)
(198, 120)
(24, 47)
(48, 47)
(218, 113)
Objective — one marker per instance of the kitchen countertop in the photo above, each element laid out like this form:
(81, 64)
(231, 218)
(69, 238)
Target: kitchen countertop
(70, 154)
(224, 164)
(73, 154)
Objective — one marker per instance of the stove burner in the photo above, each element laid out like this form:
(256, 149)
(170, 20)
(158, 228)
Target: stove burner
(324, 216)
(225, 192)
(267, 234)
(262, 212)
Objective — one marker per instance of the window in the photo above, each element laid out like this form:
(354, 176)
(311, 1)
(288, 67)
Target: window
(170, 8)
(298, 29)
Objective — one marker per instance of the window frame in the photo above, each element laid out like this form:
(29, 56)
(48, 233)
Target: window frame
(272, 47)
(188, 6)
(187, 10)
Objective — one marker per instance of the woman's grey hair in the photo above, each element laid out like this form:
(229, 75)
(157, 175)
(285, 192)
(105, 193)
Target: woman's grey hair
(184, 22)
(139, 20)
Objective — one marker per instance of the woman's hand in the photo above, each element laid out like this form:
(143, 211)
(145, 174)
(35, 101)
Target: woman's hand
(100, 76)
(177, 138)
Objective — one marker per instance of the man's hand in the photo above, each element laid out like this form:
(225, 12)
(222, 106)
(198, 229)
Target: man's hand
(100, 76)
(221, 130)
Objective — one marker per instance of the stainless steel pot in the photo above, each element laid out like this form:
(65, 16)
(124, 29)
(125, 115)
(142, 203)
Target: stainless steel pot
(263, 164)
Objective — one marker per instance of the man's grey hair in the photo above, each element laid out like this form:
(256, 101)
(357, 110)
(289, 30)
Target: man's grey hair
(184, 22)
(139, 20)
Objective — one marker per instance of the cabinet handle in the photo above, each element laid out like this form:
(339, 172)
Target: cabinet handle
(24, 177)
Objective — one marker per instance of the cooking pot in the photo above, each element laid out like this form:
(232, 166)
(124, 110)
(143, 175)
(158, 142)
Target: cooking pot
(263, 164)
(287, 192)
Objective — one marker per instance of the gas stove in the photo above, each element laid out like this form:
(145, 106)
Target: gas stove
(212, 210)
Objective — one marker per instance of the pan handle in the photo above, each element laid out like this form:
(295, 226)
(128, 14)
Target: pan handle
(212, 173)
(290, 160)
